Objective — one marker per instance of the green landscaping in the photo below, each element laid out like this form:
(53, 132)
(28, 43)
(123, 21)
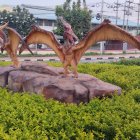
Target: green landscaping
(29, 116)
(129, 62)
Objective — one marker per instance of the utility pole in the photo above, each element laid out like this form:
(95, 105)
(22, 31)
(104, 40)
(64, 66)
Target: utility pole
(138, 17)
(117, 8)
(128, 12)
(102, 7)
(84, 4)
(124, 15)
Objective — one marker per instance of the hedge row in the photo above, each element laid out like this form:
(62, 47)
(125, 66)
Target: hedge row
(128, 62)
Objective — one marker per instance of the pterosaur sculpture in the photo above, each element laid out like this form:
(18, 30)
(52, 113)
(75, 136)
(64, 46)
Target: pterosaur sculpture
(72, 54)
(69, 35)
(10, 43)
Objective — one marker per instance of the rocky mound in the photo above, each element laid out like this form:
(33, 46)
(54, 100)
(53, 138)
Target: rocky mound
(39, 78)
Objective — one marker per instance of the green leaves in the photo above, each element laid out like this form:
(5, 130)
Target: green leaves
(78, 17)
(129, 62)
(30, 116)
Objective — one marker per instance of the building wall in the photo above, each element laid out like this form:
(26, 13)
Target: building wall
(114, 45)
(46, 24)
(117, 45)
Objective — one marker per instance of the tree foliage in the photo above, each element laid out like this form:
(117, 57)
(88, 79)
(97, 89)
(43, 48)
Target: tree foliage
(20, 19)
(77, 15)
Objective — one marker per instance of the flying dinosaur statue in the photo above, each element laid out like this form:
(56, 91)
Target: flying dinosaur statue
(10, 43)
(71, 54)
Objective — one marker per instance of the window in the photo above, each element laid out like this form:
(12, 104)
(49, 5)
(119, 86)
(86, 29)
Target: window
(48, 22)
(40, 22)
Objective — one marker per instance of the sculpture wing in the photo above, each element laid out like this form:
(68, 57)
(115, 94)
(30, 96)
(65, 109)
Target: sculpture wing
(13, 39)
(3, 36)
(40, 36)
(3, 40)
(103, 32)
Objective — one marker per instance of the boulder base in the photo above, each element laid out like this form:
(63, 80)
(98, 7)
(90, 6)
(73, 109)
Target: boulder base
(4, 72)
(39, 78)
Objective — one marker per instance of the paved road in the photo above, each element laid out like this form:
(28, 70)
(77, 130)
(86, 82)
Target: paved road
(95, 58)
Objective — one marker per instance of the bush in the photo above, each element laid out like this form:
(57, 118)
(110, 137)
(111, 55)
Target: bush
(25, 116)
(30, 116)
(128, 62)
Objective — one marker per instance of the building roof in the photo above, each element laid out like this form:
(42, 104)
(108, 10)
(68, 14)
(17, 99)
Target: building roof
(45, 15)
(41, 12)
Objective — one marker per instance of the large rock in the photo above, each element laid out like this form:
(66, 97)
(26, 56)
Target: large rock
(66, 90)
(18, 80)
(41, 68)
(4, 72)
(98, 88)
(42, 79)
(38, 83)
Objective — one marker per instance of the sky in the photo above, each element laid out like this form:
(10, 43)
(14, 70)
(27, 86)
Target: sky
(52, 2)
(44, 2)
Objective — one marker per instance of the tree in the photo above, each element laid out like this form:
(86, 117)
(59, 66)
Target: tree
(79, 17)
(20, 19)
